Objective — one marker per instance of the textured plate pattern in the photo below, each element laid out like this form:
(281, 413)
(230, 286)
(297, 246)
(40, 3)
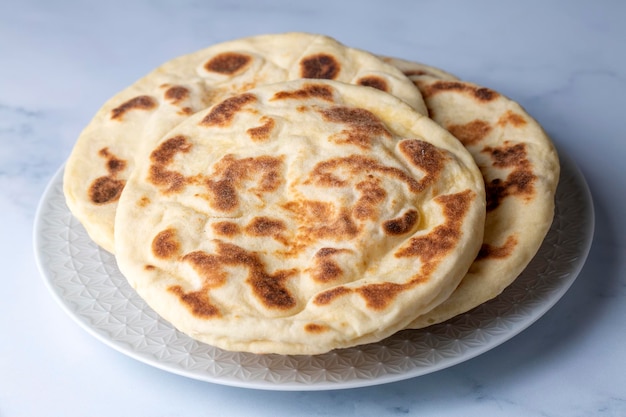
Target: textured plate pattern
(87, 283)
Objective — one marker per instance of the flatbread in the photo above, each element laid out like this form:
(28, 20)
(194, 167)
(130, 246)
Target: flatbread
(103, 156)
(300, 217)
(521, 170)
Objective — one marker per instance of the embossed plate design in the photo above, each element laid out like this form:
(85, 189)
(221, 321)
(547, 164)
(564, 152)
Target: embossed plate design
(86, 282)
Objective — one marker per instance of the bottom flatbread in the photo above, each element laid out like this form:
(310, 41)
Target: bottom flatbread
(521, 170)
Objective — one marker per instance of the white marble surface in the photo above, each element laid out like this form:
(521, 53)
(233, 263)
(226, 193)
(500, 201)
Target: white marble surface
(565, 61)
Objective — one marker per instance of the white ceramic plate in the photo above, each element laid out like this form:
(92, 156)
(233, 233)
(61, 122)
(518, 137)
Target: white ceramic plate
(86, 282)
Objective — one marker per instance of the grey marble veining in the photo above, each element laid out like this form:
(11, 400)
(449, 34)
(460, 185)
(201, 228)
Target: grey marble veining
(564, 61)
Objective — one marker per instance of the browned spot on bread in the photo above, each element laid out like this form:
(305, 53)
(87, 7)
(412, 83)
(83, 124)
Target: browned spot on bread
(401, 225)
(165, 244)
(270, 289)
(209, 267)
(164, 154)
(426, 157)
(325, 269)
(410, 73)
(512, 118)
(105, 190)
(108, 188)
(149, 267)
(168, 181)
(137, 103)
(520, 180)
(229, 63)
(315, 328)
(379, 296)
(488, 251)
(176, 94)
(266, 226)
(443, 238)
(230, 174)
(362, 126)
(263, 132)
(328, 296)
(374, 81)
(479, 93)
(470, 133)
(328, 173)
(320, 66)
(197, 302)
(222, 114)
(225, 228)
(372, 194)
(324, 92)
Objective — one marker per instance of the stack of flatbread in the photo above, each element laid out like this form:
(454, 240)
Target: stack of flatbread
(289, 194)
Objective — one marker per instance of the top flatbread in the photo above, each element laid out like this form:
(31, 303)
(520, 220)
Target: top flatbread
(103, 156)
(300, 217)
(520, 167)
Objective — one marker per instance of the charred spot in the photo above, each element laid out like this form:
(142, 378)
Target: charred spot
(265, 226)
(470, 133)
(520, 180)
(488, 251)
(224, 194)
(424, 156)
(137, 103)
(379, 296)
(225, 228)
(416, 73)
(230, 173)
(197, 302)
(228, 63)
(270, 289)
(105, 190)
(362, 125)
(480, 93)
(307, 91)
(328, 296)
(372, 194)
(443, 238)
(508, 156)
(164, 154)
(165, 244)
(209, 267)
(176, 94)
(374, 81)
(402, 224)
(512, 118)
(323, 173)
(222, 114)
(320, 66)
(326, 269)
(315, 328)
(262, 132)
(168, 181)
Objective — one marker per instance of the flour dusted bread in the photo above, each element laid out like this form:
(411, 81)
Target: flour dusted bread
(103, 157)
(300, 217)
(521, 171)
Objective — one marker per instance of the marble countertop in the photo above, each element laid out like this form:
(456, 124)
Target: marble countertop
(564, 61)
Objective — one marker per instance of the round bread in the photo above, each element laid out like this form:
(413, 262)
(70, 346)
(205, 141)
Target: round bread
(103, 156)
(521, 170)
(300, 217)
